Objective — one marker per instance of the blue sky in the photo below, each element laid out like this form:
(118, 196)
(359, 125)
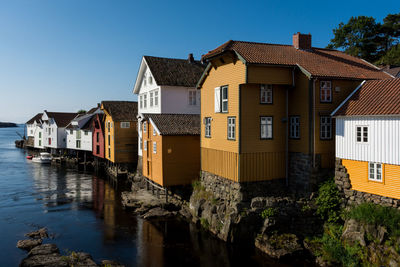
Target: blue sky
(64, 55)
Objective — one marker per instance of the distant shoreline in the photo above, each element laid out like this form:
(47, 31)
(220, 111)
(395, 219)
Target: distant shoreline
(7, 125)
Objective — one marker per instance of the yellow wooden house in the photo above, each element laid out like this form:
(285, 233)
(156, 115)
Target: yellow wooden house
(171, 151)
(265, 108)
(120, 134)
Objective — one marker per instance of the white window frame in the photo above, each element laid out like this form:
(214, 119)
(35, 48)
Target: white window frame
(156, 98)
(78, 143)
(362, 134)
(151, 99)
(325, 132)
(154, 147)
(325, 92)
(192, 97)
(145, 79)
(150, 79)
(145, 145)
(207, 127)
(374, 170)
(154, 131)
(144, 100)
(266, 127)
(266, 94)
(144, 126)
(125, 124)
(294, 127)
(141, 101)
(231, 128)
(224, 109)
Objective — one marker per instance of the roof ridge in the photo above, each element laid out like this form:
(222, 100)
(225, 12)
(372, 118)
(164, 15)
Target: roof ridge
(171, 58)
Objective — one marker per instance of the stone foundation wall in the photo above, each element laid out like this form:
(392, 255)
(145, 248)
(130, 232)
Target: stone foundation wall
(354, 197)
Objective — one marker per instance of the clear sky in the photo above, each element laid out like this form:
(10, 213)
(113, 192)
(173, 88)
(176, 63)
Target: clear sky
(66, 55)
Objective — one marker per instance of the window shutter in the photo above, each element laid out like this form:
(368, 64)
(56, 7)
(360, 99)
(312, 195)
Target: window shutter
(217, 102)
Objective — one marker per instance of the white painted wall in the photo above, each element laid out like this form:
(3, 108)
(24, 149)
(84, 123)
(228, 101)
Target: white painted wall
(30, 129)
(86, 139)
(175, 100)
(38, 137)
(383, 139)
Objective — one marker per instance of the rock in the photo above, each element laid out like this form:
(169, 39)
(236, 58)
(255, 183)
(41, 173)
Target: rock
(157, 213)
(44, 249)
(41, 233)
(48, 260)
(258, 203)
(278, 245)
(353, 232)
(108, 263)
(185, 213)
(81, 259)
(28, 244)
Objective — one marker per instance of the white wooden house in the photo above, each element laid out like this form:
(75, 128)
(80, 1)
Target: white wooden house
(34, 132)
(167, 86)
(368, 137)
(79, 131)
(54, 125)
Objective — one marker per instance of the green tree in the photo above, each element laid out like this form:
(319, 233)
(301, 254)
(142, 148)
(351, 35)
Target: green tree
(81, 111)
(358, 37)
(392, 57)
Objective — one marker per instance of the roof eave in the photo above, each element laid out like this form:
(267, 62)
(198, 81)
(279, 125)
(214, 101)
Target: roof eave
(347, 98)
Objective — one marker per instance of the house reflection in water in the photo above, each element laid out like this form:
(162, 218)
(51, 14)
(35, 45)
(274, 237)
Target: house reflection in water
(150, 244)
(104, 206)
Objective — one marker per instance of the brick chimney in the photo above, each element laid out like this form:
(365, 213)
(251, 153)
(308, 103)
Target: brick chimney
(190, 58)
(302, 41)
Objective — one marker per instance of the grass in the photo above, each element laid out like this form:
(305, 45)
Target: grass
(268, 213)
(204, 223)
(377, 215)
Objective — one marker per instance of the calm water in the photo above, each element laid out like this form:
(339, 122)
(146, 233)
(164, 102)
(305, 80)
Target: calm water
(83, 213)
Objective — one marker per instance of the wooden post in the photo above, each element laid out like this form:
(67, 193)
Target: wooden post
(166, 195)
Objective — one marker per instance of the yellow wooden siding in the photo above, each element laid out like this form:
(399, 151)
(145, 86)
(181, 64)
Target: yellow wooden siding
(232, 74)
(152, 162)
(222, 163)
(262, 166)
(252, 110)
(181, 159)
(109, 131)
(269, 75)
(299, 106)
(125, 143)
(358, 173)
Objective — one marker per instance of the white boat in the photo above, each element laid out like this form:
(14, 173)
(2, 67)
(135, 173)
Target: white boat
(42, 158)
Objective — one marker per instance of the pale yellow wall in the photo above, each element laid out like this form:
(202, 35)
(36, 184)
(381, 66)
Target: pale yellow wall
(151, 160)
(358, 174)
(109, 132)
(221, 163)
(125, 143)
(269, 75)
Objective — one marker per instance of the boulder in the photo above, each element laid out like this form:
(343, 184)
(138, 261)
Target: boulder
(353, 233)
(44, 249)
(41, 233)
(81, 259)
(278, 245)
(108, 263)
(28, 244)
(48, 260)
(158, 213)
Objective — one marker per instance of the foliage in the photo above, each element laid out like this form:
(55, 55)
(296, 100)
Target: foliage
(306, 208)
(268, 213)
(377, 215)
(392, 57)
(196, 185)
(81, 111)
(328, 202)
(204, 223)
(363, 37)
(334, 251)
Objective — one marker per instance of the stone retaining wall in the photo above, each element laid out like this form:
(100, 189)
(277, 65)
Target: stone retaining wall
(353, 197)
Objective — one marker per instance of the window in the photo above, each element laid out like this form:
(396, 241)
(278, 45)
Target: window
(86, 132)
(71, 131)
(326, 128)
(108, 126)
(40, 142)
(144, 126)
(151, 98)
(141, 143)
(141, 101)
(145, 101)
(375, 171)
(294, 127)
(31, 131)
(109, 152)
(326, 91)
(266, 127)
(192, 97)
(362, 134)
(150, 79)
(144, 80)
(266, 94)
(49, 141)
(154, 131)
(78, 143)
(125, 124)
(154, 147)
(207, 123)
(97, 137)
(97, 149)
(78, 134)
(40, 134)
(145, 146)
(156, 98)
(109, 140)
(231, 128)
(224, 99)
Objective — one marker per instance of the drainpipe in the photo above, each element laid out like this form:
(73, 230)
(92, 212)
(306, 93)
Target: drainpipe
(313, 151)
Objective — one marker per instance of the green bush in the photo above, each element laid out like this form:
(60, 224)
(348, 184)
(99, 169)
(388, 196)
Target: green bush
(328, 202)
(377, 215)
(196, 185)
(268, 213)
(204, 223)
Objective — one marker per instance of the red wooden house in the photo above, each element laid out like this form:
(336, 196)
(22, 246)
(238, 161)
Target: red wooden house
(98, 135)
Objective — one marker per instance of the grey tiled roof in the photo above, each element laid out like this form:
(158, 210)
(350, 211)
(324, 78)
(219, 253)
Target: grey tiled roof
(121, 110)
(176, 124)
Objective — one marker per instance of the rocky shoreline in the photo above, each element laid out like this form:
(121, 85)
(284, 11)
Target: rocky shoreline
(48, 255)
(8, 125)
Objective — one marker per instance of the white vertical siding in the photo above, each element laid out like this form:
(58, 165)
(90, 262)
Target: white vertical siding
(383, 139)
